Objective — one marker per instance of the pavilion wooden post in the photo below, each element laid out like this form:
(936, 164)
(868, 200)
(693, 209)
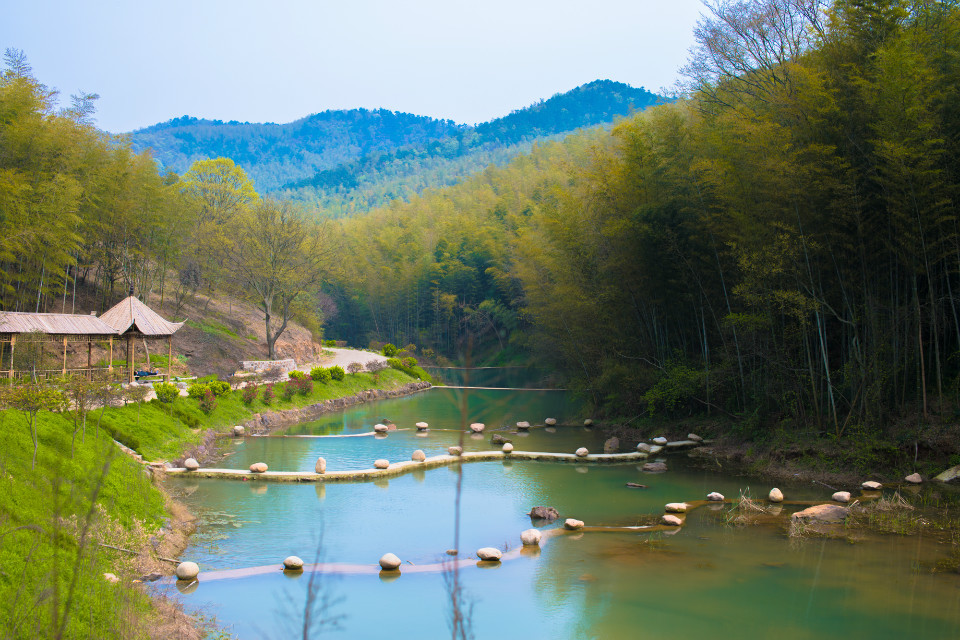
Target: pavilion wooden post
(90, 359)
(13, 348)
(110, 361)
(169, 358)
(130, 357)
(64, 374)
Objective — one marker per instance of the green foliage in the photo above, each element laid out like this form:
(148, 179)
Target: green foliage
(219, 387)
(296, 375)
(678, 385)
(410, 361)
(208, 402)
(321, 374)
(337, 373)
(389, 350)
(212, 327)
(250, 393)
(166, 391)
(268, 394)
(330, 343)
(197, 390)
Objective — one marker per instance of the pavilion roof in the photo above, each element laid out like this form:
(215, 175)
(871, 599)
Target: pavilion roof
(132, 314)
(54, 323)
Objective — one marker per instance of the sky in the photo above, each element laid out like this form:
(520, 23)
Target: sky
(282, 60)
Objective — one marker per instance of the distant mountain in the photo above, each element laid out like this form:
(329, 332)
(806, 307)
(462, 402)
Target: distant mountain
(349, 161)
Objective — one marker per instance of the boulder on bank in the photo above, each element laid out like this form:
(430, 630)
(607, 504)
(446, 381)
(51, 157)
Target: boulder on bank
(292, 563)
(841, 496)
(672, 520)
(871, 485)
(715, 497)
(588, 422)
(389, 562)
(258, 467)
(914, 478)
(544, 513)
(550, 422)
(694, 437)
(455, 450)
(643, 447)
(191, 464)
(418, 456)
(508, 448)
(827, 513)
(238, 430)
(582, 452)
(655, 467)
(572, 524)
(612, 445)
(187, 571)
(477, 427)
(489, 554)
(530, 537)
(321, 466)
(950, 474)
(381, 464)
(775, 495)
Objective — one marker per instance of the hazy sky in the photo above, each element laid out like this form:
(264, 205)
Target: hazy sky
(281, 60)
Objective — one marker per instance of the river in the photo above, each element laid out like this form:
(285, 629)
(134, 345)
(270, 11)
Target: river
(709, 579)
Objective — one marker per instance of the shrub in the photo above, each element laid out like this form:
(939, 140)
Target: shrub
(268, 394)
(197, 390)
(303, 387)
(297, 375)
(209, 401)
(410, 362)
(329, 343)
(354, 367)
(319, 374)
(376, 367)
(249, 393)
(219, 387)
(389, 350)
(166, 391)
(337, 373)
(393, 363)
(288, 390)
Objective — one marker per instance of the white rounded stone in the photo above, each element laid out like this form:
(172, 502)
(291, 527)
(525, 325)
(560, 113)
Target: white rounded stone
(191, 464)
(660, 440)
(588, 422)
(872, 485)
(914, 478)
(671, 520)
(507, 448)
(477, 427)
(643, 447)
(523, 426)
(676, 507)
(550, 422)
(654, 449)
(258, 467)
(418, 456)
(582, 452)
(489, 554)
(715, 497)
(380, 428)
(775, 495)
(292, 563)
(694, 437)
(238, 430)
(455, 450)
(381, 464)
(321, 466)
(187, 571)
(572, 524)
(389, 562)
(422, 426)
(530, 537)
(841, 496)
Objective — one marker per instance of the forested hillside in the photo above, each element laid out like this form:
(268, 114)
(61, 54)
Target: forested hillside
(783, 245)
(343, 162)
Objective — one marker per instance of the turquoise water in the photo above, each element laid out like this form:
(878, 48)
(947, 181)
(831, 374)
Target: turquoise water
(708, 579)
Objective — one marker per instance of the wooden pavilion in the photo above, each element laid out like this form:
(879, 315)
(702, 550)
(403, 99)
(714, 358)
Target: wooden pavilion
(27, 340)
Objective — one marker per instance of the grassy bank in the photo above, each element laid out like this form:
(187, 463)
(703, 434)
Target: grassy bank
(61, 522)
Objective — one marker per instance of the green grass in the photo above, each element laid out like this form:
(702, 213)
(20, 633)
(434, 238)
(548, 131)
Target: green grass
(41, 511)
(213, 327)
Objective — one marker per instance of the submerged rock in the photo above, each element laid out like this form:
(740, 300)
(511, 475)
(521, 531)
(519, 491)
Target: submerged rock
(655, 467)
(191, 464)
(822, 513)
(643, 447)
(321, 466)
(572, 524)
(655, 449)
(872, 485)
(292, 563)
(530, 537)
(489, 554)
(612, 445)
(775, 495)
(389, 562)
(841, 496)
(672, 520)
(258, 467)
(187, 571)
(381, 464)
(582, 452)
(715, 497)
(544, 513)
(418, 456)
(914, 478)
(498, 439)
